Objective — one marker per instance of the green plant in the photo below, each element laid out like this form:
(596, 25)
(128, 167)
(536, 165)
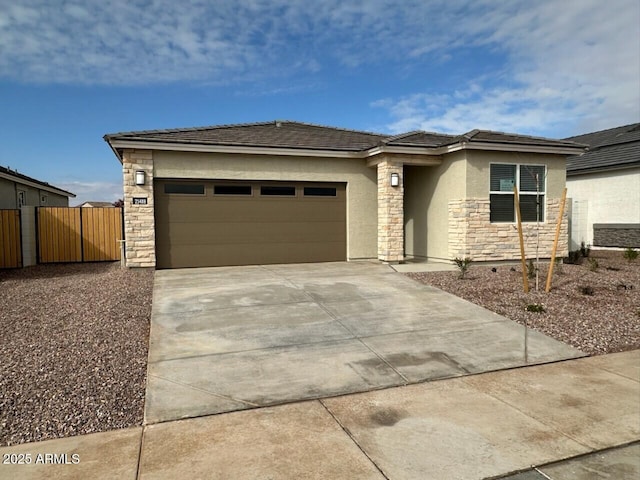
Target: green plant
(585, 250)
(586, 290)
(593, 264)
(463, 265)
(535, 308)
(531, 269)
(630, 254)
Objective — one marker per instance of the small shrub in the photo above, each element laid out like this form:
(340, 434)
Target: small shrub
(586, 290)
(585, 250)
(593, 264)
(574, 257)
(463, 265)
(535, 308)
(531, 269)
(613, 269)
(630, 254)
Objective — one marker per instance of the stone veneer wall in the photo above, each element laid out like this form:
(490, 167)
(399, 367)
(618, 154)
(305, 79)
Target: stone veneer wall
(471, 234)
(390, 214)
(139, 223)
(616, 235)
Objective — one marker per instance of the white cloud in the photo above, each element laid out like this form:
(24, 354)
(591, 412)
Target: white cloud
(96, 191)
(568, 70)
(572, 63)
(133, 42)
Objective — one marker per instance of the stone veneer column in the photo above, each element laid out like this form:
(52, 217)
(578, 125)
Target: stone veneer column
(139, 223)
(390, 213)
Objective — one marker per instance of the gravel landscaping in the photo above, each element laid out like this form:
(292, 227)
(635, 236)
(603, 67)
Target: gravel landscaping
(73, 345)
(596, 311)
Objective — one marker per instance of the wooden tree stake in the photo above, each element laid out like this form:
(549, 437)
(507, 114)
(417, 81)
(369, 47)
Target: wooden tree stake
(555, 242)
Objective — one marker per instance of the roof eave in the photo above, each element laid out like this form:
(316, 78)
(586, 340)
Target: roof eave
(118, 144)
(39, 186)
(606, 168)
(215, 148)
(107, 139)
(517, 147)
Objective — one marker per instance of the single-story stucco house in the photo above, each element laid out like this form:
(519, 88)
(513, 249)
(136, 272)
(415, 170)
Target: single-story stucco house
(288, 192)
(18, 190)
(604, 186)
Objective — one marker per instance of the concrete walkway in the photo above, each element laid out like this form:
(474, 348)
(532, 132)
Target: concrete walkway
(471, 427)
(234, 338)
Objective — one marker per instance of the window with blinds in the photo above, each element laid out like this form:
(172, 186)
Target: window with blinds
(530, 179)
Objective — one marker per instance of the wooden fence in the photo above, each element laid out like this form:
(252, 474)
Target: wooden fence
(10, 240)
(78, 234)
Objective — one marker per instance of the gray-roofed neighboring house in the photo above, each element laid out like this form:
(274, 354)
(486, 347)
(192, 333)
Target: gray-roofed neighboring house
(604, 185)
(17, 190)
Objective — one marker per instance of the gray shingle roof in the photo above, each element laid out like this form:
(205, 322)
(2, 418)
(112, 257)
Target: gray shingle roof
(287, 134)
(283, 134)
(617, 147)
(20, 176)
(490, 136)
(419, 139)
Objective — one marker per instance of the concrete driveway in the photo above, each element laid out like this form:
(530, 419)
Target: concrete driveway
(233, 338)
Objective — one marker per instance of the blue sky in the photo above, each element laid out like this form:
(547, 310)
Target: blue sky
(71, 71)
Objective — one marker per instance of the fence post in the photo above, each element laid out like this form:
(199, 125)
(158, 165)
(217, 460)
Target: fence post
(123, 260)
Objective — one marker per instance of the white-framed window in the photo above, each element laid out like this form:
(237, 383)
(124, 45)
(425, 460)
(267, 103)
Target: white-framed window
(528, 179)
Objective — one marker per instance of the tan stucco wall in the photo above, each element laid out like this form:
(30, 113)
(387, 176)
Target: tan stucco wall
(472, 234)
(477, 173)
(463, 177)
(7, 194)
(361, 183)
(33, 196)
(427, 194)
(54, 200)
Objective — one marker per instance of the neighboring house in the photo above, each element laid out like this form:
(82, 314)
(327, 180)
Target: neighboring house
(91, 204)
(604, 185)
(287, 192)
(17, 190)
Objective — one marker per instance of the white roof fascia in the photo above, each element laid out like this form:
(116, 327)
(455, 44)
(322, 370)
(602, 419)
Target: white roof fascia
(372, 152)
(501, 147)
(198, 147)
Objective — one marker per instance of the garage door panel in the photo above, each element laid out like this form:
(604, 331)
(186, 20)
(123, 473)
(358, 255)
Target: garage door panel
(217, 211)
(214, 230)
(247, 233)
(249, 254)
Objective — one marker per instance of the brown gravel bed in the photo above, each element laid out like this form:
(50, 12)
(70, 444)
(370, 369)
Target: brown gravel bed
(605, 322)
(73, 349)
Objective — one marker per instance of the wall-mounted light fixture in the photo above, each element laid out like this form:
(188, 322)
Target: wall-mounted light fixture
(395, 180)
(140, 177)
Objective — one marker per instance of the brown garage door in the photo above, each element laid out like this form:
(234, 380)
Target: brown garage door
(215, 223)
